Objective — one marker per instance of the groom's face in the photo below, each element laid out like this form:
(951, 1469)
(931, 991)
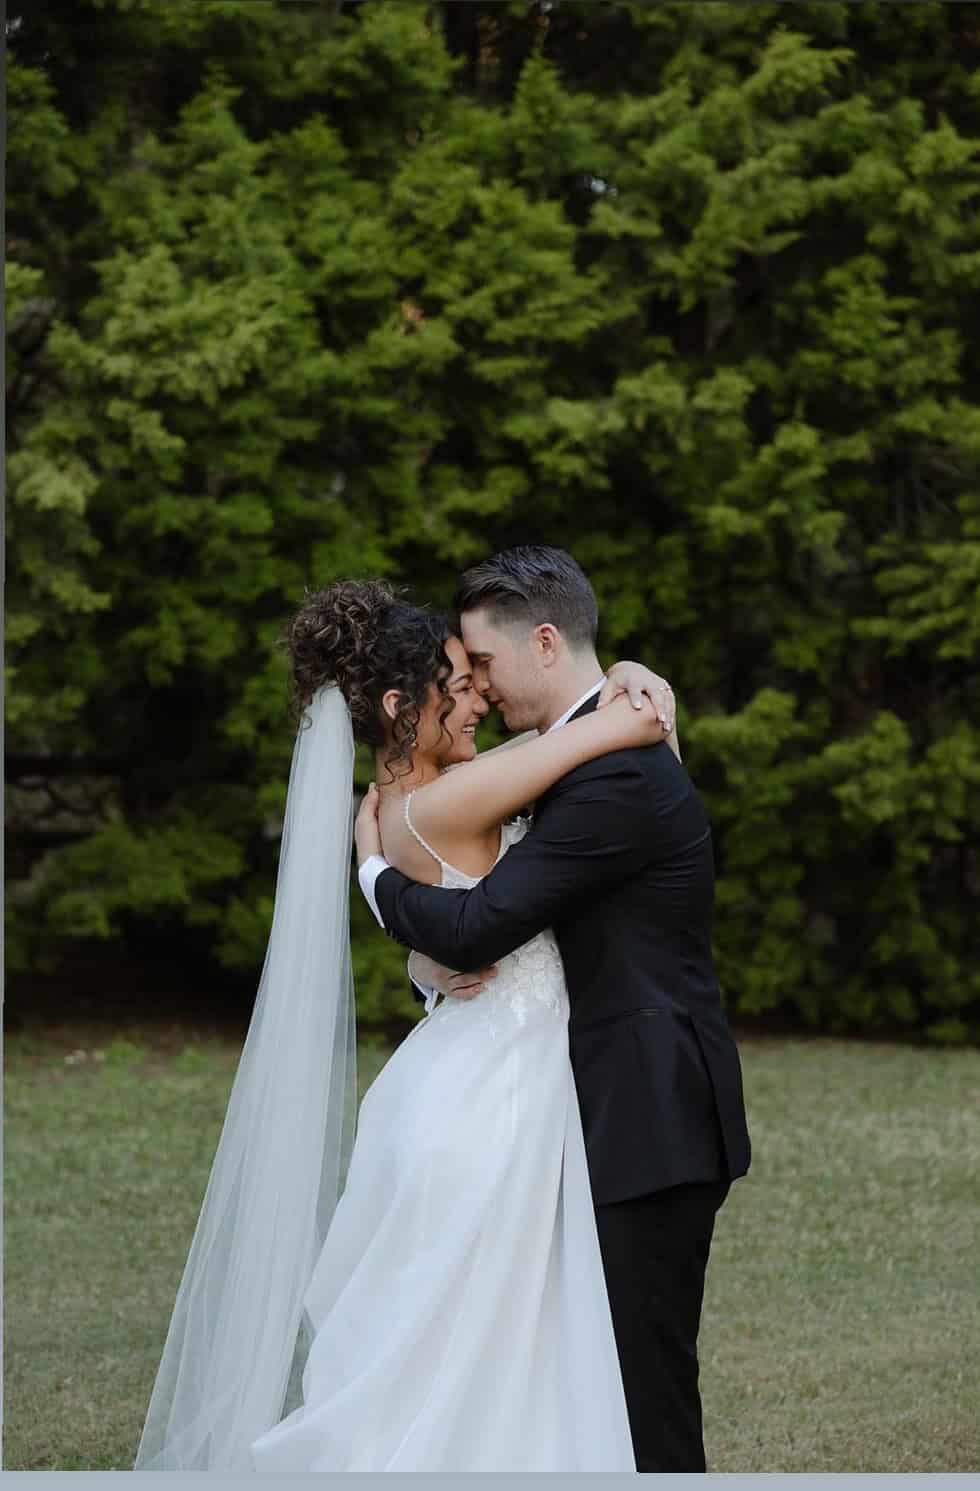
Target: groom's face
(505, 669)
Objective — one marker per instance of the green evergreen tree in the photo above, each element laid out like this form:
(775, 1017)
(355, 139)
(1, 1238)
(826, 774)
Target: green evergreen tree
(301, 290)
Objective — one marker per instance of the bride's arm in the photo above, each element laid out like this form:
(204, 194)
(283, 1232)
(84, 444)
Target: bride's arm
(506, 745)
(636, 680)
(627, 677)
(496, 784)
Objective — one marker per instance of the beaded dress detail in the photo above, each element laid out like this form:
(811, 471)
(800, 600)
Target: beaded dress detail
(530, 979)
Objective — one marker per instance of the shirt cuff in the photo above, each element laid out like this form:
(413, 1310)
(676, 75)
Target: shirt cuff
(367, 876)
(429, 994)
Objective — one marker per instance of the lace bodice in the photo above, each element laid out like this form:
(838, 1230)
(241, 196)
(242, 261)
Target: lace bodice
(530, 980)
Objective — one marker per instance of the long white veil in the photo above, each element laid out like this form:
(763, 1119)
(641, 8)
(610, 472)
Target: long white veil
(238, 1336)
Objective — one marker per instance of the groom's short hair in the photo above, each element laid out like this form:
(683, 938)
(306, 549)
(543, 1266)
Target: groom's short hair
(531, 584)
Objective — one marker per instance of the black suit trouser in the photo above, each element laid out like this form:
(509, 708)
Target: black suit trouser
(654, 1253)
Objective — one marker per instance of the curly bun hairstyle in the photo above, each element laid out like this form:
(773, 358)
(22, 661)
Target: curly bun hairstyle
(362, 636)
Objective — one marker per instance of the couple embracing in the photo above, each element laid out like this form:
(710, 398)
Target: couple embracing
(505, 1270)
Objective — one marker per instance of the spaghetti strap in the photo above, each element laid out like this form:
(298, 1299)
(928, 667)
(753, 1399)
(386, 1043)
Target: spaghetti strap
(417, 836)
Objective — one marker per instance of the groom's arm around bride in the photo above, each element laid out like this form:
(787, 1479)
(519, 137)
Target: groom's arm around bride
(619, 864)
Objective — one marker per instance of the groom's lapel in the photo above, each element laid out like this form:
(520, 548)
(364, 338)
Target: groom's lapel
(586, 708)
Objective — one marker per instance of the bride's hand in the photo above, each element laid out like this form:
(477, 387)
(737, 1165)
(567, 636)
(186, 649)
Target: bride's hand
(640, 722)
(636, 681)
(367, 834)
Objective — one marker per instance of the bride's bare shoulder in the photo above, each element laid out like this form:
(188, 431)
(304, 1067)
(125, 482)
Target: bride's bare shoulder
(402, 849)
(455, 840)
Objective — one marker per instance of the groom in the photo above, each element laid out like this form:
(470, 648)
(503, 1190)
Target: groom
(619, 864)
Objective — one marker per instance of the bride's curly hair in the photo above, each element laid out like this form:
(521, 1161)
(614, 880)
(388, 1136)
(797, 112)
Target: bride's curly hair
(364, 637)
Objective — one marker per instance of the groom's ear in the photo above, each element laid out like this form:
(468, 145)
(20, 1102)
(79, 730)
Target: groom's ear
(547, 639)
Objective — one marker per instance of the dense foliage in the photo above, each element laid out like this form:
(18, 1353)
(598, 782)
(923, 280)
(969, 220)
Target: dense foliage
(299, 290)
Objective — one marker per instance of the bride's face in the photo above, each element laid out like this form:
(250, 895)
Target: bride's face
(452, 740)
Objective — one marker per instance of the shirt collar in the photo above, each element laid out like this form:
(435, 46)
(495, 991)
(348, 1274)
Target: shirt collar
(564, 719)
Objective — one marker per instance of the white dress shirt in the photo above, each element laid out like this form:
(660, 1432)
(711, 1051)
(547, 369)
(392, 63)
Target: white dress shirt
(376, 864)
(564, 718)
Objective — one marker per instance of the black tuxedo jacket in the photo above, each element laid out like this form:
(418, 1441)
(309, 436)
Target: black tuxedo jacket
(619, 864)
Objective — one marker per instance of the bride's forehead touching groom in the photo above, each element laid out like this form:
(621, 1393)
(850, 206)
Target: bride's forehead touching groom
(618, 867)
(512, 1276)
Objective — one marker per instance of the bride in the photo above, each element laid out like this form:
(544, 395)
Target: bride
(447, 1311)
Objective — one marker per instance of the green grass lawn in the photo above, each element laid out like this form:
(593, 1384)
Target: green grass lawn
(842, 1314)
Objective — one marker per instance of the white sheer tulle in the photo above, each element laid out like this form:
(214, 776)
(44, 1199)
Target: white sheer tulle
(238, 1341)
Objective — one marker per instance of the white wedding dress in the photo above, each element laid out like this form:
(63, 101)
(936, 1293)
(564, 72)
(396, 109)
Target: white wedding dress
(459, 1306)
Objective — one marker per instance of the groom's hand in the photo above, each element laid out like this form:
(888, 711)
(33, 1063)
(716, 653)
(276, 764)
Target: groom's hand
(636, 681)
(427, 974)
(367, 834)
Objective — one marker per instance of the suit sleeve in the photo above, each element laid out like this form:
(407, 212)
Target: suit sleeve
(594, 832)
